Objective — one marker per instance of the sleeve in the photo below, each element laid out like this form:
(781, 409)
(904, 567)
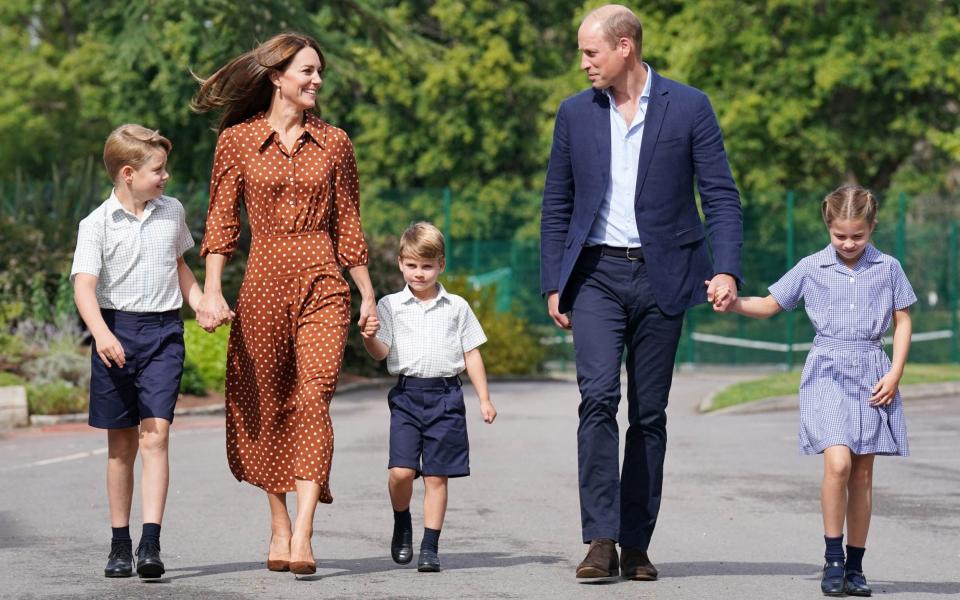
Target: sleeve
(719, 196)
(226, 193)
(903, 294)
(385, 314)
(345, 230)
(88, 257)
(788, 291)
(184, 239)
(557, 206)
(471, 333)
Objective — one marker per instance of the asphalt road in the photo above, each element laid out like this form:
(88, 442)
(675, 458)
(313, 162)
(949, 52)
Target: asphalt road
(740, 516)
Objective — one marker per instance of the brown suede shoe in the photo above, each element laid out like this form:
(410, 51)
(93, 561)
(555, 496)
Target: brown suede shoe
(637, 565)
(601, 561)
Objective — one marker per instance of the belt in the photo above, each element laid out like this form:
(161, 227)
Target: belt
(446, 383)
(631, 254)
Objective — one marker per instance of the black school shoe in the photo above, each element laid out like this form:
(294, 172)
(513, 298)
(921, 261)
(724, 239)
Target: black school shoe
(149, 565)
(855, 584)
(401, 546)
(832, 580)
(429, 562)
(120, 561)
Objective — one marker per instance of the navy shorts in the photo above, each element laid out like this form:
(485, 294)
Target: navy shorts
(428, 426)
(148, 384)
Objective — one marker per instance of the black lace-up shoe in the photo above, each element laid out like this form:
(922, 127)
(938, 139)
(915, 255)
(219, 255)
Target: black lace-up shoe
(855, 584)
(149, 565)
(120, 561)
(428, 562)
(831, 583)
(401, 546)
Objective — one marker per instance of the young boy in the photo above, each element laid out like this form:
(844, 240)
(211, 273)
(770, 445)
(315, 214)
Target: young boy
(129, 281)
(428, 337)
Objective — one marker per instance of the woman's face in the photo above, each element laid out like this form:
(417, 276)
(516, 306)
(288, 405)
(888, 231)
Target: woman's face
(299, 83)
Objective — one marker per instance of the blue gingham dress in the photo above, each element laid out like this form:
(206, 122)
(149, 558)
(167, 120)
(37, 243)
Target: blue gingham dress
(850, 309)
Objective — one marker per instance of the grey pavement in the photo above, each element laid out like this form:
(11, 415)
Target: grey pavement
(740, 516)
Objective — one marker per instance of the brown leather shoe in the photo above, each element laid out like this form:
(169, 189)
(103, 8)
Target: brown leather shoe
(601, 561)
(636, 565)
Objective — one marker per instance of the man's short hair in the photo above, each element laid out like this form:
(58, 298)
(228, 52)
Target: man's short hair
(132, 145)
(422, 240)
(617, 21)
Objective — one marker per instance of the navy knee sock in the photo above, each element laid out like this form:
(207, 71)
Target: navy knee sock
(855, 558)
(431, 540)
(834, 552)
(151, 533)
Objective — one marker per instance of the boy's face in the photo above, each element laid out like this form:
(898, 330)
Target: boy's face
(420, 273)
(147, 182)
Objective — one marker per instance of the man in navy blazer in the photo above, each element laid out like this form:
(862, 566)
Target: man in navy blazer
(623, 254)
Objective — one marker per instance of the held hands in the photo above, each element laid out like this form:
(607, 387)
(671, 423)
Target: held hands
(109, 349)
(885, 390)
(213, 311)
(369, 322)
(721, 292)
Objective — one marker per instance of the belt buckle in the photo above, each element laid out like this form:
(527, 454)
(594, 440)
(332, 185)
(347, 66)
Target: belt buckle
(633, 258)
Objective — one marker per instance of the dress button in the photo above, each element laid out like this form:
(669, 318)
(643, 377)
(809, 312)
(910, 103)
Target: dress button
(852, 307)
(852, 280)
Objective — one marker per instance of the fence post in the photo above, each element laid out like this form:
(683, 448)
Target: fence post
(952, 291)
(900, 248)
(447, 202)
(791, 242)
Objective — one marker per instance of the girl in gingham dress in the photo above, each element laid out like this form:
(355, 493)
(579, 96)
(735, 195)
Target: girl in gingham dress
(850, 408)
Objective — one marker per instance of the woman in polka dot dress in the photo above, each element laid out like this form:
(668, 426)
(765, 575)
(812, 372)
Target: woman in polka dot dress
(297, 177)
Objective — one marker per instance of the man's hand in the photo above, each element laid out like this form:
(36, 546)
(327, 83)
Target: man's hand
(721, 291)
(553, 309)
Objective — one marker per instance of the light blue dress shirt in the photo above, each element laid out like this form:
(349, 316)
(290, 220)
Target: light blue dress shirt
(616, 223)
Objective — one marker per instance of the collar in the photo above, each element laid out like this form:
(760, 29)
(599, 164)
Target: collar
(828, 256)
(407, 296)
(314, 127)
(644, 95)
(113, 205)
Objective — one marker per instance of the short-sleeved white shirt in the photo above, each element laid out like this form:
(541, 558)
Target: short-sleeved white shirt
(134, 260)
(427, 339)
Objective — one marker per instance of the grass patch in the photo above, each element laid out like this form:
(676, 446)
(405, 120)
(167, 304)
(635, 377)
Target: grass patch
(785, 384)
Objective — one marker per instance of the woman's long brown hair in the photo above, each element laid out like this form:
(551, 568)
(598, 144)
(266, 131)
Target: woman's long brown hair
(242, 87)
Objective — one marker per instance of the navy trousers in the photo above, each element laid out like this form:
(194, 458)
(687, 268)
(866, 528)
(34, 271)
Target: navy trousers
(614, 310)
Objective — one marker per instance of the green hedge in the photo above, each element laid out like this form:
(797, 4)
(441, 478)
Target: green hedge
(206, 360)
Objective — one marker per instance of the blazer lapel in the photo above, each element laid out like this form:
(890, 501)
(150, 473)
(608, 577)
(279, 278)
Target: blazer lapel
(601, 129)
(659, 100)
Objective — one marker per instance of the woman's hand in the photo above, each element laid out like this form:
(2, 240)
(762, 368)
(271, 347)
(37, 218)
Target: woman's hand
(213, 311)
(368, 322)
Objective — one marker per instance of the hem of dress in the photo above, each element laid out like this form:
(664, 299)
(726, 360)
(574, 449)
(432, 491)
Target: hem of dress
(813, 451)
(324, 498)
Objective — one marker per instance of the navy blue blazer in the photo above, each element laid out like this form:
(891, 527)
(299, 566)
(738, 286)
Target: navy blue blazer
(681, 141)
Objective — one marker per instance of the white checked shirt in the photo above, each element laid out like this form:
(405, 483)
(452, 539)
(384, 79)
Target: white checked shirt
(427, 339)
(134, 260)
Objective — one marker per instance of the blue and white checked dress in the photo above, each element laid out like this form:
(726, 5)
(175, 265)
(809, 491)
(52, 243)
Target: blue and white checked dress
(850, 309)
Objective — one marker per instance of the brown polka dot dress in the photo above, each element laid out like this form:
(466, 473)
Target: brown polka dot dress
(286, 343)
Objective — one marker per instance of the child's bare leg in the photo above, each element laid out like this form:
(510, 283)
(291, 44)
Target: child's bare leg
(280, 528)
(434, 501)
(154, 444)
(121, 454)
(833, 490)
(400, 485)
(860, 500)
(308, 495)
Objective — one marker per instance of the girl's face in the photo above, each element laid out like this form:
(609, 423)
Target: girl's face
(849, 238)
(299, 83)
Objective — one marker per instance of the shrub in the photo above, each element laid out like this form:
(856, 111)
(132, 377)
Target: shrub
(192, 381)
(59, 366)
(7, 379)
(207, 352)
(56, 398)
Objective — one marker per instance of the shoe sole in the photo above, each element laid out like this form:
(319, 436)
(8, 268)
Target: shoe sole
(149, 571)
(641, 577)
(595, 575)
(402, 562)
(428, 569)
(116, 575)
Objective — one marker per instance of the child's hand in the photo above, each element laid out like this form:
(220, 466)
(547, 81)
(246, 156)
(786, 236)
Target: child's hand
(719, 295)
(371, 327)
(109, 349)
(885, 390)
(488, 411)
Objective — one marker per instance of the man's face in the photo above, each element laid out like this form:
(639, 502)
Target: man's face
(602, 62)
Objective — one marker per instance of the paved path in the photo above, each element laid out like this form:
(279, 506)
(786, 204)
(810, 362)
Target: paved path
(740, 515)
